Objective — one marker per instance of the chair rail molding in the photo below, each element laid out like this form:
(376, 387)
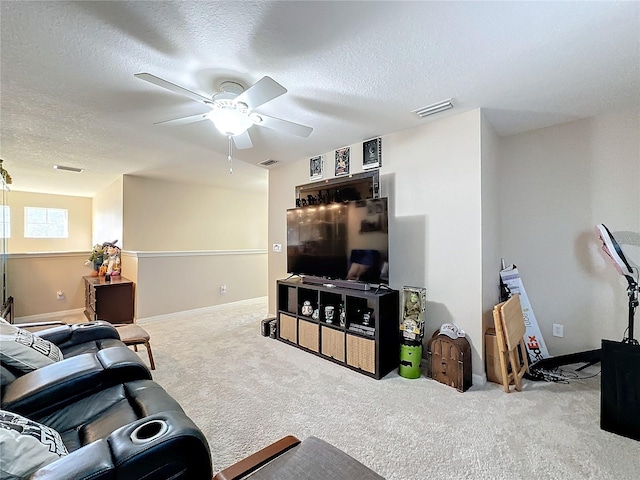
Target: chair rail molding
(192, 253)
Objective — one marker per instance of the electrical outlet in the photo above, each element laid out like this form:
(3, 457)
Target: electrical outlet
(223, 289)
(59, 294)
(558, 330)
(277, 247)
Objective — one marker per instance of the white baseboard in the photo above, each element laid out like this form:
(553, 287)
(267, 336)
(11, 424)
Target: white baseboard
(164, 316)
(479, 380)
(44, 317)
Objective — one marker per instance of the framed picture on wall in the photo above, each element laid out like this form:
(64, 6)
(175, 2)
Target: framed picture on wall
(316, 167)
(342, 161)
(372, 153)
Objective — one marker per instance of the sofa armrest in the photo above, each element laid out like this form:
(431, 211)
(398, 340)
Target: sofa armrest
(247, 465)
(122, 365)
(92, 461)
(167, 443)
(69, 335)
(163, 446)
(68, 380)
(49, 323)
(52, 385)
(56, 334)
(96, 330)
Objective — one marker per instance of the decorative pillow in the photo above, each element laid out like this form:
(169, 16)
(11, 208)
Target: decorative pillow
(25, 351)
(26, 446)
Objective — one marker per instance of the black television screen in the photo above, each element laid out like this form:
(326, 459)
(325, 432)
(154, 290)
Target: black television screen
(347, 241)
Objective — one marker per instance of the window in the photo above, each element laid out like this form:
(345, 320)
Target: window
(5, 222)
(46, 222)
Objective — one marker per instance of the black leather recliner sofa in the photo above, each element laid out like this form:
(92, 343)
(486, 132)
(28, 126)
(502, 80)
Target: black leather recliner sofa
(133, 430)
(117, 424)
(114, 421)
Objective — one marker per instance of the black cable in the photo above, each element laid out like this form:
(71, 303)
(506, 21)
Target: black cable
(552, 377)
(558, 375)
(575, 376)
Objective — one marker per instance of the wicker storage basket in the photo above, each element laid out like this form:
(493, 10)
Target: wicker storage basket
(288, 329)
(361, 353)
(309, 335)
(333, 343)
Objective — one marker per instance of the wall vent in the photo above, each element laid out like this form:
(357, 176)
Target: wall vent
(68, 169)
(433, 108)
(268, 163)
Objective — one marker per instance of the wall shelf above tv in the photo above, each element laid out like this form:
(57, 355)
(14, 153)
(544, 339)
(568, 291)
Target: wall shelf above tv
(353, 187)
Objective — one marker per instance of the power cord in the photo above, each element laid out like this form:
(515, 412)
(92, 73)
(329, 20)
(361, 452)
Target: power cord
(575, 376)
(557, 375)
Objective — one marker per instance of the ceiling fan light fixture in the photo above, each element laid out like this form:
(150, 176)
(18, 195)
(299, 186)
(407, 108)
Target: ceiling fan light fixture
(231, 108)
(230, 121)
(433, 108)
(255, 118)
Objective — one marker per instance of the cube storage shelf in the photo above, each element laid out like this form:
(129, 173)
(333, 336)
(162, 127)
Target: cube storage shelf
(369, 340)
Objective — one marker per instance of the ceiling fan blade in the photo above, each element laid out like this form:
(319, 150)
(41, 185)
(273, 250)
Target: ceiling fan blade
(263, 91)
(285, 126)
(184, 120)
(171, 86)
(242, 141)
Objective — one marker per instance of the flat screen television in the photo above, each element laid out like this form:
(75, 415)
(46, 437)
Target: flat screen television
(346, 241)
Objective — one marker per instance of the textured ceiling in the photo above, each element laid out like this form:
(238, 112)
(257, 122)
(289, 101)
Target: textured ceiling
(353, 70)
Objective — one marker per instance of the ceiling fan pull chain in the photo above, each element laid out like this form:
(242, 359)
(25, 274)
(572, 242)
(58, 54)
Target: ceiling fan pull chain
(229, 158)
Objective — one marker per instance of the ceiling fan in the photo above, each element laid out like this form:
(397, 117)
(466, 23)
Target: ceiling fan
(232, 109)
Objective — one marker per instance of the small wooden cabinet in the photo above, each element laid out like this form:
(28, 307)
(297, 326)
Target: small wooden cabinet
(111, 300)
(367, 340)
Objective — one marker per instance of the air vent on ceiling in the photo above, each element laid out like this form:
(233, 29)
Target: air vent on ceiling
(68, 169)
(268, 162)
(433, 108)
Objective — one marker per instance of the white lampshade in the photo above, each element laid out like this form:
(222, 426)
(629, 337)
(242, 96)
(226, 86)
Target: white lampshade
(229, 121)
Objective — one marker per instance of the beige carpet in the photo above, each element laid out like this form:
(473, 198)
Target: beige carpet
(245, 391)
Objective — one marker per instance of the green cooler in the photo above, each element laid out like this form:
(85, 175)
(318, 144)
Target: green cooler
(410, 357)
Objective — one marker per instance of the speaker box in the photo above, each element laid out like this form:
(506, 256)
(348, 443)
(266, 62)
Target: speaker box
(265, 326)
(620, 389)
(273, 327)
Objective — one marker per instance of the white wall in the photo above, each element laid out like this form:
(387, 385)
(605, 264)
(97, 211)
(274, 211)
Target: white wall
(178, 281)
(107, 214)
(491, 223)
(282, 182)
(34, 272)
(192, 239)
(79, 211)
(557, 183)
(184, 241)
(33, 279)
(431, 175)
(172, 216)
